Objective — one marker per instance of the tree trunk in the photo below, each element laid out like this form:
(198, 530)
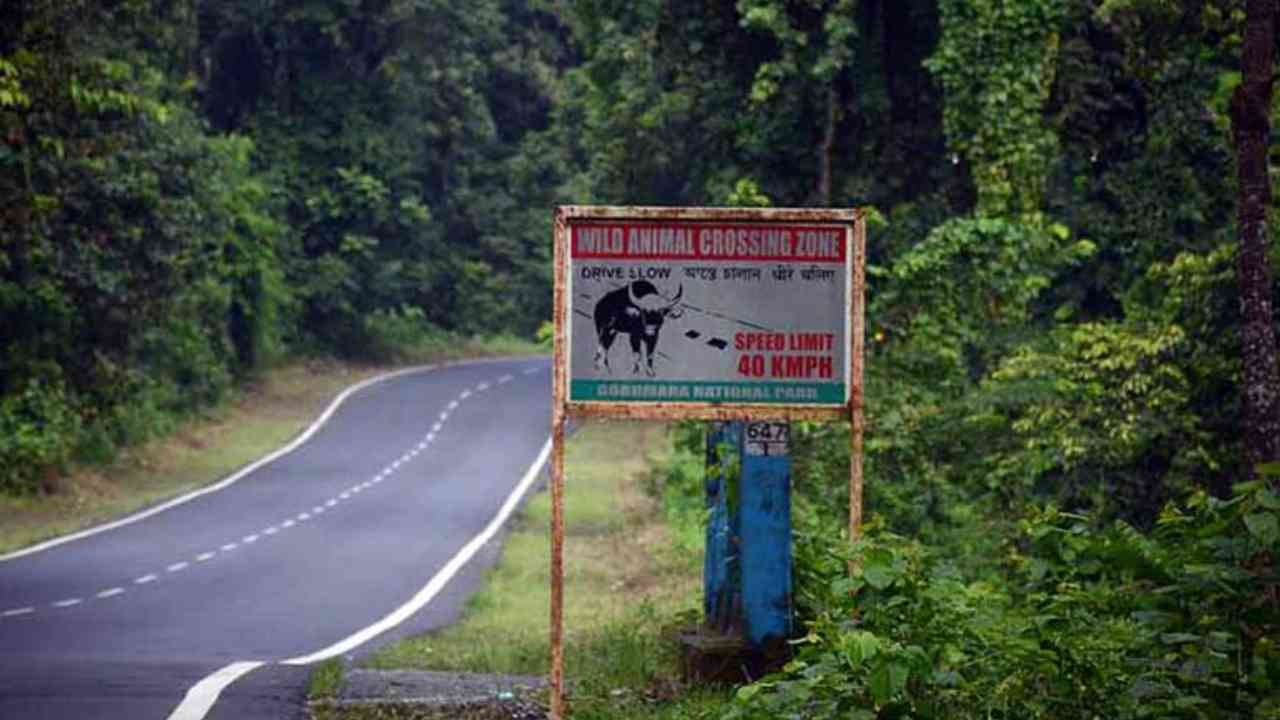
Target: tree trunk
(1251, 129)
(823, 191)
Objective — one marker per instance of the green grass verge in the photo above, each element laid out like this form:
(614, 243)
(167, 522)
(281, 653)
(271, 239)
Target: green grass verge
(628, 585)
(261, 418)
(326, 680)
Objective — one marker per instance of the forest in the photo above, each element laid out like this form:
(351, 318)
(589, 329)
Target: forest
(1073, 440)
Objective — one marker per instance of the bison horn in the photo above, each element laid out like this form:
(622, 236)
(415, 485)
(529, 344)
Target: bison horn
(675, 300)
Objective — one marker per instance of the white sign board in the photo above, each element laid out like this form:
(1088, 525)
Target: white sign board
(716, 311)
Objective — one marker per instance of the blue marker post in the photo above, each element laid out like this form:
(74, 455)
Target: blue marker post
(747, 569)
(764, 516)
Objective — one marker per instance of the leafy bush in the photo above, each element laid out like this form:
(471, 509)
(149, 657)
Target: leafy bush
(38, 428)
(397, 335)
(1179, 623)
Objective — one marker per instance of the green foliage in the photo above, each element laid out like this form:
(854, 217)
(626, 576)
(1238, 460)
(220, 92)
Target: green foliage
(996, 62)
(392, 335)
(37, 429)
(1175, 624)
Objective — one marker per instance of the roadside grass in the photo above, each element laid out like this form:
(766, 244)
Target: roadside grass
(326, 679)
(263, 416)
(628, 587)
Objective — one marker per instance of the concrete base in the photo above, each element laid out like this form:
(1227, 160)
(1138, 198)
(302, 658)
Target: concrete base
(708, 657)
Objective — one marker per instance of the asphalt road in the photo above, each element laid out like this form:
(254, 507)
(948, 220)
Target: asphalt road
(300, 554)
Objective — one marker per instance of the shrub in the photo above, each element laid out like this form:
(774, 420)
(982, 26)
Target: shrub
(1112, 623)
(38, 428)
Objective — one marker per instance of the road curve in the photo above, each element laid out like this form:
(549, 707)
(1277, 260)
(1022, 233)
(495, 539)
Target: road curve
(298, 555)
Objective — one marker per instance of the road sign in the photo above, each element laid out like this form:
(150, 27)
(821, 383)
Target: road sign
(705, 313)
(665, 308)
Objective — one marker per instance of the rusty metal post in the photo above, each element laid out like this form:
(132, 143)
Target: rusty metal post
(558, 392)
(858, 342)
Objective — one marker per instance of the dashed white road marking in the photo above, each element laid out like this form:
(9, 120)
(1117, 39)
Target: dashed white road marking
(227, 482)
(241, 668)
(200, 698)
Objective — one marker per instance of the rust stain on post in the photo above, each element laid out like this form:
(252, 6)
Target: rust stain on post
(705, 411)
(557, 469)
(604, 212)
(856, 419)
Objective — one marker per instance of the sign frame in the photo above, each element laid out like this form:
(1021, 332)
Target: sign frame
(854, 222)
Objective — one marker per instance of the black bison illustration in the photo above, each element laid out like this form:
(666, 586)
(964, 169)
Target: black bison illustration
(637, 310)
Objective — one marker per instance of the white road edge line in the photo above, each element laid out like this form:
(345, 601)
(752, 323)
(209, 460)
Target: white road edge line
(111, 593)
(441, 578)
(201, 697)
(17, 611)
(227, 482)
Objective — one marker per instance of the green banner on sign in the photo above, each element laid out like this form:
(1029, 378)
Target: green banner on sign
(791, 393)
